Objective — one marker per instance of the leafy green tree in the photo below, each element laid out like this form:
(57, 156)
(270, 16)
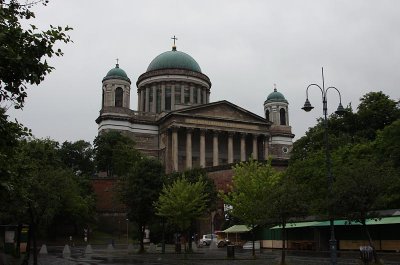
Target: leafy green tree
(376, 110)
(114, 153)
(249, 196)
(43, 188)
(362, 185)
(181, 202)
(78, 156)
(138, 189)
(286, 201)
(23, 52)
(193, 175)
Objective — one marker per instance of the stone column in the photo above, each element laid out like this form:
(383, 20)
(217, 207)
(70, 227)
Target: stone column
(183, 85)
(199, 95)
(191, 89)
(189, 148)
(204, 95)
(174, 149)
(202, 148)
(266, 147)
(215, 149)
(173, 97)
(255, 149)
(147, 105)
(208, 97)
(139, 100)
(230, 147)
(162, 97)
(154, 107)
(242, 147)
(142, 98)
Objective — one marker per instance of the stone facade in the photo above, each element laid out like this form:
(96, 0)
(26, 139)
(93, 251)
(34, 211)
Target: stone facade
(176, 123)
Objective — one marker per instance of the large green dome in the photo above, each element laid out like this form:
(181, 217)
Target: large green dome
(174, 60)
(276, 97)
(117, 73)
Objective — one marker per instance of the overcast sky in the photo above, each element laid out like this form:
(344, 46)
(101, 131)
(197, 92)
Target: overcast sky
(243, 46)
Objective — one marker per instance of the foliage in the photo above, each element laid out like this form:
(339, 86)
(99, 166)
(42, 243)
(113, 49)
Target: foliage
(181, 202)
(23, 52)
(198, 174)
(115, 153)
(138, 189)
(43, 188)
(376, 110)
(286, 201)
(78, 156)
(252, 184)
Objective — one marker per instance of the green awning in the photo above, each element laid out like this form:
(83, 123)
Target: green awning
(381, 221)
(384, 221)
(237, 229)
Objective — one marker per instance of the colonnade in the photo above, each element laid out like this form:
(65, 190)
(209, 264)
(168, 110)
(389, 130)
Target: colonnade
(166, 95)
(215, 146)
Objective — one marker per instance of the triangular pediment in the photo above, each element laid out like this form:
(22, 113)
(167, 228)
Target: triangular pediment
(220, 110)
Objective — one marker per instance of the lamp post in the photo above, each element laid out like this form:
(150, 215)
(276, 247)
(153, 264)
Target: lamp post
(127, 231)
(340, 110)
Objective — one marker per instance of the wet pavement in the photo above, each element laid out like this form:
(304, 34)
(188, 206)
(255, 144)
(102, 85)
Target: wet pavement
(103, 254)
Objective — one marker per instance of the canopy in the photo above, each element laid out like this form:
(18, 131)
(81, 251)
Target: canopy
(237, 229)
(379, 221)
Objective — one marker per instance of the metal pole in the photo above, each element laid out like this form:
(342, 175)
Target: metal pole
(127, 231)
(332, 240)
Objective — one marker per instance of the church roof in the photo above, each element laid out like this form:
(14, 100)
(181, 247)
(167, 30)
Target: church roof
(276, 97)
(117, 73)
(174, 60)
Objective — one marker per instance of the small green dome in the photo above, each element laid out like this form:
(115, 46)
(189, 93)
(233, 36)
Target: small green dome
(174, 60)
(117, 73)
(276, 97)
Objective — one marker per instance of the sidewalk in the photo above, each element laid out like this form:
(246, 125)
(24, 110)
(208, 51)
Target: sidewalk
(119, 255)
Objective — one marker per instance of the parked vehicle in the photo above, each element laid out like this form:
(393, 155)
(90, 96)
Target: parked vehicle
(208, 238)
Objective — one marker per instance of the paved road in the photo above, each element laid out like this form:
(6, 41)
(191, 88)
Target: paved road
(101, 254)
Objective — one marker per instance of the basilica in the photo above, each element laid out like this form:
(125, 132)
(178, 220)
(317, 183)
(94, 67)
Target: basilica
(176, 122)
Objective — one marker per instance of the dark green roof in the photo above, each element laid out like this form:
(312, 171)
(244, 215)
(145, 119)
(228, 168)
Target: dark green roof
(276, 97)
(117, 73)
(174, 60)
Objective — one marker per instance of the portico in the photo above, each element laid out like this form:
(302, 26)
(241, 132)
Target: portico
(203, 141)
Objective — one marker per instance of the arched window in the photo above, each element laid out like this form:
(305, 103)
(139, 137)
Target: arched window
(267, 115)
(102, 99)
(119, 97)
(283, 116)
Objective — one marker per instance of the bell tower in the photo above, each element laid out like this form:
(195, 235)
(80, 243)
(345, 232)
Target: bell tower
(276, 109)
(116, 89)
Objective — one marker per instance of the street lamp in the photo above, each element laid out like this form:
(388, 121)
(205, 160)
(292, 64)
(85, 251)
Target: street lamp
(340, 111)
(127, 231)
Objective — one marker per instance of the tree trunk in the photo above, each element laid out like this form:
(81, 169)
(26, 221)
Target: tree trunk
(35, 253)
(283, 254)
(141, 237)
(253, 239)
(18, 245)
(28, 247)
(370, 241)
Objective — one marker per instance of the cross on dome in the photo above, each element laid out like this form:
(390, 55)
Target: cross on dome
(174, 46)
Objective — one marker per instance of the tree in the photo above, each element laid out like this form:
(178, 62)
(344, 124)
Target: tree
(362, 185)
(286, 201)
(138, 189)
(376, 110)
(42, 187)
(23, 52)
(78, 156)
(194, 175)
(114, 153)
(181, 202)
(249, 196)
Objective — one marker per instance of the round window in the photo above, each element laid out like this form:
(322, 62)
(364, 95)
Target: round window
(285, 149)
